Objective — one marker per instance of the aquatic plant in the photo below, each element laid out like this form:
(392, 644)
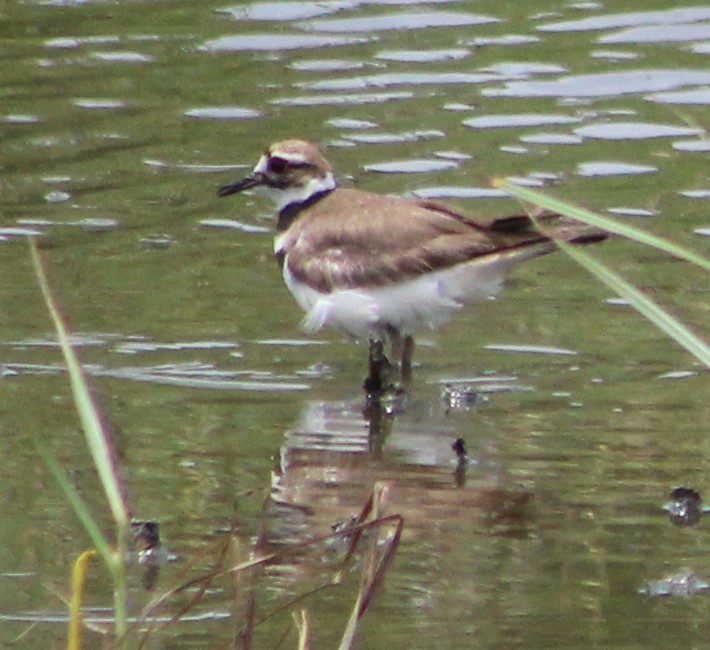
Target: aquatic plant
(102, 451)
(645, 305)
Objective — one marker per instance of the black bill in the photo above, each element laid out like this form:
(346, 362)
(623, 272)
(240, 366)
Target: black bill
(240, 185)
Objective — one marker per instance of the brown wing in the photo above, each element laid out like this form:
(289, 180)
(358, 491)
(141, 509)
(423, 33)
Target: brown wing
(385, 239)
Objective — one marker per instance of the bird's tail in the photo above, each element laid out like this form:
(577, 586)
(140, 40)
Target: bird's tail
(550, 225)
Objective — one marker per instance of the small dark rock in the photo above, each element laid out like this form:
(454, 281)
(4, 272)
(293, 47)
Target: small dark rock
(685, 506)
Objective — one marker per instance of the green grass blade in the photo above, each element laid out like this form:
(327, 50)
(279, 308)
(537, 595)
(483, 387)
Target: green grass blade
(605, 223)
(96, 436)
(76, 502)
(642, 303)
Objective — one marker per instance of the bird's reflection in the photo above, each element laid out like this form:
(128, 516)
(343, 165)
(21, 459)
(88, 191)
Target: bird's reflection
(331, 459)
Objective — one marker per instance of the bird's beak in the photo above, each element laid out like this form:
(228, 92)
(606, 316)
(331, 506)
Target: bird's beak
(244, 184)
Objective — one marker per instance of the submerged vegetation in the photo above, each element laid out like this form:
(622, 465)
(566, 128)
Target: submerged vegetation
(371, 538)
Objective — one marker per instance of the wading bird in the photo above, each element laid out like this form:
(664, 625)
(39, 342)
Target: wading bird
(380, 267)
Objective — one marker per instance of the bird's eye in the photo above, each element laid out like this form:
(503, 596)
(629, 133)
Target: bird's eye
(278, 165)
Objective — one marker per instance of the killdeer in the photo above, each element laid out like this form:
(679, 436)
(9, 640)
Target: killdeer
(380, 267)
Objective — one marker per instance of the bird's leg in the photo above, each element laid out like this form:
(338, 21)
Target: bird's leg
(402, 350)
(407, 353)
(395, 343)
(378, 369)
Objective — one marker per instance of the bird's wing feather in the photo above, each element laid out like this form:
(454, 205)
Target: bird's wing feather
(388, 239)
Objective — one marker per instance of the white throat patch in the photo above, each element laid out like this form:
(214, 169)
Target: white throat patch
(290, 195)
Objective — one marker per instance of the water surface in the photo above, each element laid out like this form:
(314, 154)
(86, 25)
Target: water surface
(120, 120)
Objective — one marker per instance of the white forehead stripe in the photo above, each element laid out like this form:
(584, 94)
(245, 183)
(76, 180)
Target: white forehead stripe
(294, 157)
(291, 156)
(262, 166)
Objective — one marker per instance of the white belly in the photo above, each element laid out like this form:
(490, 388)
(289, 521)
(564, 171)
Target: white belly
(423, 302)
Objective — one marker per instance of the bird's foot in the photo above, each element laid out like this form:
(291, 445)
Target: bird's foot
(385, 396)
(379, 381)
(387, 383)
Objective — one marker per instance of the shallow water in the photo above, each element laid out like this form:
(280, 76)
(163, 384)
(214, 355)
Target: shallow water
(118, 123)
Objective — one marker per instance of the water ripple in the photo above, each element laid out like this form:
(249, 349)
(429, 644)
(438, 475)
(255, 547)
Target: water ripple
(608, 168)
(452, 192)
(506, 40)
(551, 138)
(388, 79)
(122, 57)
(632, 131)
(57, 196)
(284, 11)
(659, 34)
(69, 43)
(390, 138)
(99, 103)
(632, 212)
(337, 100)
(96, 224)
(349, 123)
(530, 349)
(326, 65)
(514, 120)
(7, 233)
(603, 84)
(141, 346)
(415, 166)
(614, 55)
(699, 96)
(188, 375)
(398, 21)
(233, 224)
(423, 56)
(692, 145)
(20, 118)
(271, 42)
(696, 194)
(523, 70)
(609, 21)
(223, 113)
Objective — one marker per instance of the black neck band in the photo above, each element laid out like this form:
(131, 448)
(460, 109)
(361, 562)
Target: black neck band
(288, 214)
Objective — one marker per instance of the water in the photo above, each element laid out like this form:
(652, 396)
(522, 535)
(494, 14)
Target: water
(120, 120)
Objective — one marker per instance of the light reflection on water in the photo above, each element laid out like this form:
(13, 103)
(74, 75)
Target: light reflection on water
(114, 145)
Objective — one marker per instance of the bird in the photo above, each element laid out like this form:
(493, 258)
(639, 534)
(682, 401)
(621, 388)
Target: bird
(381, 268)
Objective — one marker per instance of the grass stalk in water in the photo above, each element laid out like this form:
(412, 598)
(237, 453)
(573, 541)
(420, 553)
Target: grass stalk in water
(605, 223)
(376, 561)
(378, 558)
(99, 443)
(653, 312)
